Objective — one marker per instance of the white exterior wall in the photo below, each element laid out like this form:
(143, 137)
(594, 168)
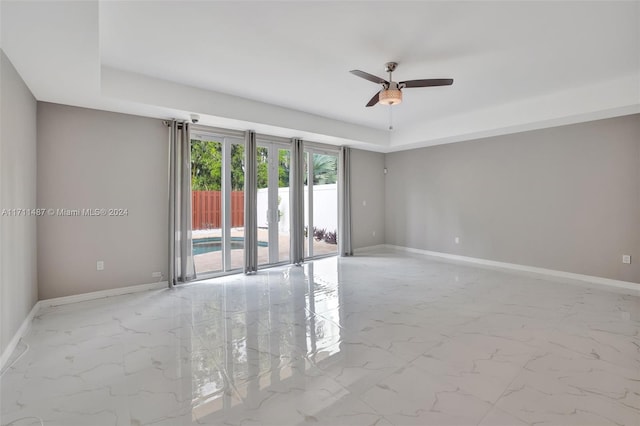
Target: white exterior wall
(325, 207)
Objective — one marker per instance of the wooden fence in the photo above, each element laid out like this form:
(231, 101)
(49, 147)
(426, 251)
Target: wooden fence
(206, 209)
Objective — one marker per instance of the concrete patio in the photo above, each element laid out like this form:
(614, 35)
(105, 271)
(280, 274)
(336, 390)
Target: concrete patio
(212, 261)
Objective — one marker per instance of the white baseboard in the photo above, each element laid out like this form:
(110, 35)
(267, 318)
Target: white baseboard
(26, 324)
(368, 248)
(24, 327)
(627, 285)
(57, 301)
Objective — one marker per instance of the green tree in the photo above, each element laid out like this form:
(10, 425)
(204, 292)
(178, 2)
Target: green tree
(206, 165)
(284, 157)
(284, 167)
(263, 167)
(237, 167)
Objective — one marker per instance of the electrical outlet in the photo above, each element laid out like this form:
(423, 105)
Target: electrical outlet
(626, 258)
(100, 265)
(156, 275)
(374, 233)
(457, 240)
(364, 203)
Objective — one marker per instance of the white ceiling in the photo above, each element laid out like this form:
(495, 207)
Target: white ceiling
(282, 67)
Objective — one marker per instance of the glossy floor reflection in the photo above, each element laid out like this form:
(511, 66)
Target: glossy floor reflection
(378, 339)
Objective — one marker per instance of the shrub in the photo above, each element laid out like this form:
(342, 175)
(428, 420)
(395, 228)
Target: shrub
(331, 237)
(319, 234)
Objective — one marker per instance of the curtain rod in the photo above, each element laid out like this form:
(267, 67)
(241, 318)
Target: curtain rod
(260, 136)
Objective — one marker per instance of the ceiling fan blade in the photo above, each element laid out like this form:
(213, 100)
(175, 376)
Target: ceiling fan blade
(374, 100)
(369, 77)
(427, 83)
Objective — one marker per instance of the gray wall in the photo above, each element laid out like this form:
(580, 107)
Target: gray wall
(18, 265)
(564, 198)
(367, 186)
(97, 159)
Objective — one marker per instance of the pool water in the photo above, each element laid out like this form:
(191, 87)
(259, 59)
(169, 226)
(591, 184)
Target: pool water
(207, 245)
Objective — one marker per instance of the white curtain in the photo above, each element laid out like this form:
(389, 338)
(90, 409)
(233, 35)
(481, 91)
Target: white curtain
(181, 266)
(296, 201)
(344, 202)
(250, 204)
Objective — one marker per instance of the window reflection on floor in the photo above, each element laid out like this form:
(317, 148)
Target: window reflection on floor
(249, 343)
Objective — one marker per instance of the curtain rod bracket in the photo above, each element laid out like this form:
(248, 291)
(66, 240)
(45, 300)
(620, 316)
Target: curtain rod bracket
(167, 123)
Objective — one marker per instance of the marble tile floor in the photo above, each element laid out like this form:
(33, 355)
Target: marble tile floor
(384, 338)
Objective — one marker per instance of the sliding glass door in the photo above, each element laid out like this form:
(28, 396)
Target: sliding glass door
(273, 167)
(217, 203)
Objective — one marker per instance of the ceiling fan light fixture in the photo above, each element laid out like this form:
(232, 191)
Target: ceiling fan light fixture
(390, 97)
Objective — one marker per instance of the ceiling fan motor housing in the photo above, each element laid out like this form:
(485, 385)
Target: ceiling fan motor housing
(391, 96)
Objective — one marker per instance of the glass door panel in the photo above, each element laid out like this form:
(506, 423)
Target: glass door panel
(217, 203)
(325, 204)
(206, 205)
(273, 166)
(235, 199)
(282, 204)
(308, 207)
(263, 204)
(320, 203)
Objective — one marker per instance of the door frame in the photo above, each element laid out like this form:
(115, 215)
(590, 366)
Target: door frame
(225, 188)
(273, 186)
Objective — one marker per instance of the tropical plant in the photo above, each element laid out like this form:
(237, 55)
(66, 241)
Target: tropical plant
(319, 234)
(331, 237)
(325, 169)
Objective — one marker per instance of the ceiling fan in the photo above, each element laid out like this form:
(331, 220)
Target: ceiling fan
(391, 93)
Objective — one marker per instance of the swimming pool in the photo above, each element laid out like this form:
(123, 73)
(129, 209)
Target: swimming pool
(211, 244)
